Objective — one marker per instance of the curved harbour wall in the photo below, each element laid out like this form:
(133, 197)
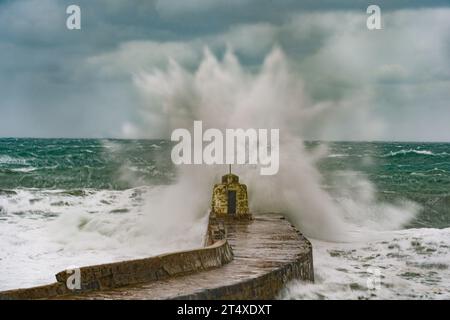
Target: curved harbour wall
(242, 259)
(269, 252)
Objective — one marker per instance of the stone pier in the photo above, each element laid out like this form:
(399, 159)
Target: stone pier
(242, 259)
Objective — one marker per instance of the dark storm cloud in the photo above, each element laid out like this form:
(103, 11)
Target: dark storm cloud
(56, 82)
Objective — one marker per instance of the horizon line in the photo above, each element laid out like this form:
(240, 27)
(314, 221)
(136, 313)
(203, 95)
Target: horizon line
(304, 140)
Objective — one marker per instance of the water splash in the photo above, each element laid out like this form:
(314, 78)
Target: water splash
(223, 95)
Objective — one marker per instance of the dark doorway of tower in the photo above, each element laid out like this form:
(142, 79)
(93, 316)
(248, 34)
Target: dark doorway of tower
(232, 202)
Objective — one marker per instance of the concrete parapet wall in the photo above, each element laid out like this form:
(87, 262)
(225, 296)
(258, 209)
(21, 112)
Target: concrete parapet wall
(119, 274)
(41, 292)
(216, 230)
(114, 275)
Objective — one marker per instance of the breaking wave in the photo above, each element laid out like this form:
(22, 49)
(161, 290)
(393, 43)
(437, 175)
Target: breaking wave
(223, 94)
(413, 151)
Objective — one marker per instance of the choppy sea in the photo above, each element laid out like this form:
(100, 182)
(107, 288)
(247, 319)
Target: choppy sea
(72, 202)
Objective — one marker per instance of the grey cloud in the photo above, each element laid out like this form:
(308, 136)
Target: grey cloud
(56, 82)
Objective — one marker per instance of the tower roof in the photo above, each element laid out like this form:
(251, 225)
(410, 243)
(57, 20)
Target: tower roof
(230, 178)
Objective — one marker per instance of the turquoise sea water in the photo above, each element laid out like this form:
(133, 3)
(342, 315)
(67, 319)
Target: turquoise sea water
(77, 164)
(415, 171)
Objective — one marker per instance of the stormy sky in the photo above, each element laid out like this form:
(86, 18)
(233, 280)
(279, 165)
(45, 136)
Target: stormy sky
(56, 82)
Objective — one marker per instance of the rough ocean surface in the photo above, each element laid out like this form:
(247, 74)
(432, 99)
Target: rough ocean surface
(405, 264)
(413, 263)
(67, 202)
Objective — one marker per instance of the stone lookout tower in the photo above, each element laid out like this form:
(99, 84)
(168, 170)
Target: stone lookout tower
(230, 198)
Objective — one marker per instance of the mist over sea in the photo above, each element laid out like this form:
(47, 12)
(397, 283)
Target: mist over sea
(73, 202)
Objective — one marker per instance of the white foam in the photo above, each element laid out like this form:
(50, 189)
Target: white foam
(420, 152)
(44, 232)
(413, 264)
(5, 159)
(338, 155)
(23, 170)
